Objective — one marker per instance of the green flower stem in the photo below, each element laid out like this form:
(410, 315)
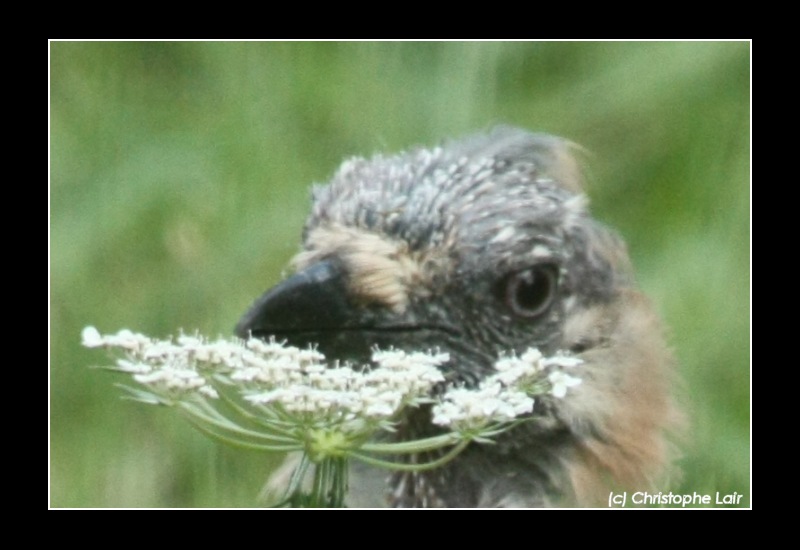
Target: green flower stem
(320, 484)
(485, 434)
(135, 394)
(274, 433)
(330, 483)
(272, 417)
(416, 446)
(441, 461)
(194, 413)
(298, 475)
(240, 443)
(342, 486)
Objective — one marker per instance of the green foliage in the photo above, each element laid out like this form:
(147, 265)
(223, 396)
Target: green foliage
(179, 179)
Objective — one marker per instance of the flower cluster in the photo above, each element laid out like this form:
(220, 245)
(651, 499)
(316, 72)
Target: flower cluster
(270, 373)
(400, 379)
(269, 396)
(300, 382)
(166, 368)
(507, 394)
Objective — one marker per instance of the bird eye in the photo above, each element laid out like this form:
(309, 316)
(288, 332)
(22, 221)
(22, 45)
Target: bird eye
(530, 292)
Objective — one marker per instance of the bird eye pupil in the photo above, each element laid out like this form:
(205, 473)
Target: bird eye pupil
(530, 292)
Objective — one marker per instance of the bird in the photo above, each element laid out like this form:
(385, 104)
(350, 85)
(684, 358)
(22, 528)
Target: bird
(482, 246)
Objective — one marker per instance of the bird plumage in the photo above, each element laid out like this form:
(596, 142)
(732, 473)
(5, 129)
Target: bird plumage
(480, 247)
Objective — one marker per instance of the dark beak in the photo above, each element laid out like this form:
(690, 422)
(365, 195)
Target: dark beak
(312, 300)
(312, 307)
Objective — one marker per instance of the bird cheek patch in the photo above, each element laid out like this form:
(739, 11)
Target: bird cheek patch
(379, 271)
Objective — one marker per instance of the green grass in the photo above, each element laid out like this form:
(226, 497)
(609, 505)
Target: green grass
(179, 178)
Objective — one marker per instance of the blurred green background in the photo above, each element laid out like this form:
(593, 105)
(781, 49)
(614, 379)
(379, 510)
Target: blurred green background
(179, 182)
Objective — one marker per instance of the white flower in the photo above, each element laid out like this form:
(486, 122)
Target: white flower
(133, 367)
(268, 396)
(505, 364)
(561, 361)
(208, 391)
(561, 381)
(445, 413)
(162, 351)
(532, 356)
(90, 337)
(222, 352)
(298, 389)
(306, 356)
(127, 339)
(403, 361)
(502, 396)
(264, 348)
(378, 405)
(172, 379)
(246, 374)
(465, 408)
(189, 343)
(340, 378)
(512, 372)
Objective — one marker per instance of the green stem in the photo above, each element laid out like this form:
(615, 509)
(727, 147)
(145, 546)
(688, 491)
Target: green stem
(299, 473)
(329, 487)
(341, 482)
(222, 423)
(415, 446)
(242, 443)
(318, 486)
(403, 467)
(275, 419)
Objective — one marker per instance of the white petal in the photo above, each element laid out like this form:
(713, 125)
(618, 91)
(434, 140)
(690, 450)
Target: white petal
(90, 337)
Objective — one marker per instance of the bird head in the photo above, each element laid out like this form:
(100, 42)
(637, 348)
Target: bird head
(482, 247)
